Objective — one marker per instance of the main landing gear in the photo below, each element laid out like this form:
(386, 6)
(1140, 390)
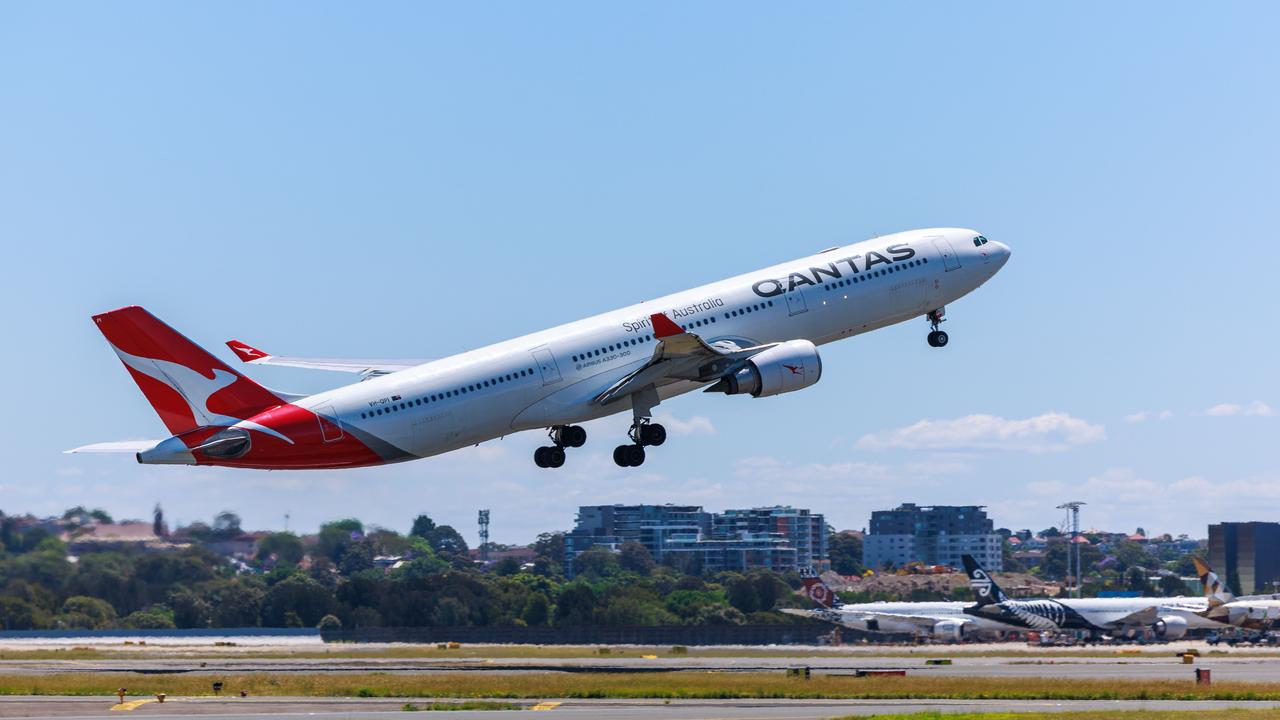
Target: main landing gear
(563, 436)
(937, 338)
(642, 433)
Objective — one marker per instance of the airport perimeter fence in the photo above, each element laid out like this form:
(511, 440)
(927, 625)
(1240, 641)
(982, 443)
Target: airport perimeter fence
(789, 634)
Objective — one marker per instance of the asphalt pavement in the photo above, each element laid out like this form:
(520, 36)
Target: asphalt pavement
(379, 709)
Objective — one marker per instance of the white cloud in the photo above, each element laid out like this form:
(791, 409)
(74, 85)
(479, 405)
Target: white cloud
(1046, 487)
(1145, 415)
(1042, 433)
(696, 425)
(1120, 499)
(773, 468)
(1257, 408)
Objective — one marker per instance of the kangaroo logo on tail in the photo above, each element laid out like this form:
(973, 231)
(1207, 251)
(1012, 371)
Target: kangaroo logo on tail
(817, 590)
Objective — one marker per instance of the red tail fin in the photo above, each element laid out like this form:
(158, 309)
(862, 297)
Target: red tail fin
(187, 386)
(817, 590)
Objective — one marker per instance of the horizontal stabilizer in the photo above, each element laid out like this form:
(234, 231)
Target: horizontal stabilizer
(119, 446)
(368, 368)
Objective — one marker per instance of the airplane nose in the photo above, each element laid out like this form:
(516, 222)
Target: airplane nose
(1001, 252)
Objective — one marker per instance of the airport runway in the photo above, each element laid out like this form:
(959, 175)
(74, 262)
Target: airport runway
(1242, 667)
(379, 709)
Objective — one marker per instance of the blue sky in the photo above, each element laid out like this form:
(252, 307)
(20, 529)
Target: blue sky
(409, 180)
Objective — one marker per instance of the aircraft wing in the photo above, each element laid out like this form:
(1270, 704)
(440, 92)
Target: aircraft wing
(365, 368)
(120, 446)
(925, 622)
(679, 355)
(1143, 617)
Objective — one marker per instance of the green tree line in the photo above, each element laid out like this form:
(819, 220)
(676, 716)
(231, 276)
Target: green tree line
(342, 578)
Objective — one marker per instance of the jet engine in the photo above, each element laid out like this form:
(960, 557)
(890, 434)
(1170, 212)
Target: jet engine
(789, 366)
(949, 630)
(1170, 627)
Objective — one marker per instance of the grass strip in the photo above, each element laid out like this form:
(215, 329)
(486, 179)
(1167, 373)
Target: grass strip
(676, 685)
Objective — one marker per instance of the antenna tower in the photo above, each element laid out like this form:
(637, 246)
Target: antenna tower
(484, 536)
(1073, 550)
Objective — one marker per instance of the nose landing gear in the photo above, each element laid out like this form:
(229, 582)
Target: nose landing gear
(937, 338)
(563, 436)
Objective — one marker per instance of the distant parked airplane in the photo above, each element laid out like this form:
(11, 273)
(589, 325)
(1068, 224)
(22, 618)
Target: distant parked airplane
(942, 620)
(754, 334)
(1255, 612)
(1167, 618)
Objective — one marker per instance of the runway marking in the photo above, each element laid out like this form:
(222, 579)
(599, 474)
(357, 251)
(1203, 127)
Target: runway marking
(131, 705)
(545, 706)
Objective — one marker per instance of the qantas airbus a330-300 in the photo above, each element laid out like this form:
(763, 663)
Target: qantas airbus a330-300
(755, 334)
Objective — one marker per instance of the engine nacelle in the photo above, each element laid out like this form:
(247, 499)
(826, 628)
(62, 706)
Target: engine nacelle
(950, 630)
(1170, 627)
(790, 366)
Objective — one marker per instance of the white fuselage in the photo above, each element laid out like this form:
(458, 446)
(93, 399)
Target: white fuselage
(552, 377)
(904, 617)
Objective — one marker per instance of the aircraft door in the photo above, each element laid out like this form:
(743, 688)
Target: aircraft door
(547, 365)
(795, 302)
(330, 428)
(950, 261)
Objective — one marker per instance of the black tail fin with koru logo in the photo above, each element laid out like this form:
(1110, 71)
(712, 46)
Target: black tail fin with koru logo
(985, 589)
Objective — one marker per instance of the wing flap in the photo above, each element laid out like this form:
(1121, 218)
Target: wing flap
(364, 367)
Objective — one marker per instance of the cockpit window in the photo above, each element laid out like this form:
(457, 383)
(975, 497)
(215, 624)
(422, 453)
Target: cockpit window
(980, 240)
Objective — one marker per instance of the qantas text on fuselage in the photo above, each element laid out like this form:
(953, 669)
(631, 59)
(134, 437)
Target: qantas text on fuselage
(754, 334)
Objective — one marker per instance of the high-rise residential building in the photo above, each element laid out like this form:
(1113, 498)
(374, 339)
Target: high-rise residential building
(932, 535)
(804, 531)
(1246, 555)
(777, 538)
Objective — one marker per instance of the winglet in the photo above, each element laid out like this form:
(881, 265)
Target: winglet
(663, 326)
(246, 352)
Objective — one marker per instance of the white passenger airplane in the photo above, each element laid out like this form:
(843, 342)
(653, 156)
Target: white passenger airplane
(754, 334)
(1165, 618)
(1253, 612)
(944, 620)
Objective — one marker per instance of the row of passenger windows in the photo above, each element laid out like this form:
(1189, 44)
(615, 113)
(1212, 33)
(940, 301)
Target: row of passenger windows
(611, 348)
(748, 309)
(874, 273)
(703, 322)
(474, 387)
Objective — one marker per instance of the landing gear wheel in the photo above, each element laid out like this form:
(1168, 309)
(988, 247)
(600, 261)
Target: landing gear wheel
(573, 436)
(629, 455)
(653, 434)
(635, 455)
(549, 457)
(938, 338)
(554, 456)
